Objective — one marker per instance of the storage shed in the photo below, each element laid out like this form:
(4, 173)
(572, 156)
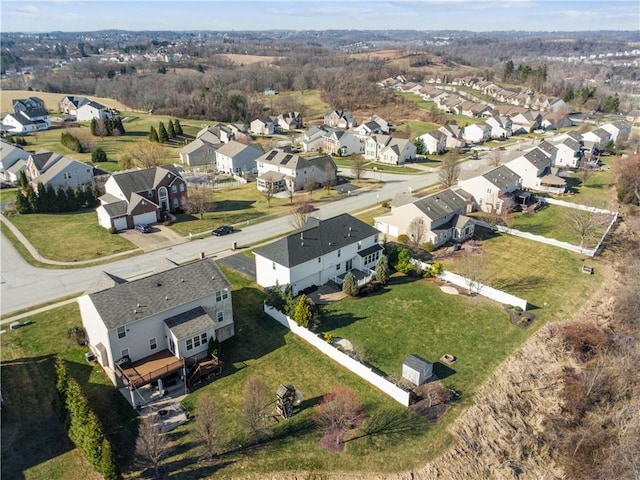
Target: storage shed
(416, 369)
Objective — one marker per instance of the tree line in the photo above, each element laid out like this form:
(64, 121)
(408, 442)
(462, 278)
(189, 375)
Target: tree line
(47, 199)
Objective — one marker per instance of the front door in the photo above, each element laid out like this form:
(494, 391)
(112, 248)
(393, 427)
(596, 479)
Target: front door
(163, 198)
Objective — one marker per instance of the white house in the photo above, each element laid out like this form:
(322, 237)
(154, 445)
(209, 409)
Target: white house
(437, 218)
(493, 189)
(21, 122)
(340, 142)
(390, 150)
(596, 139)
(322, 250)
(13, 159)
(617, 130)
(198, 152)
(433, 142)
(477, 132)
(282, 170)
(526, 122)
(263, 126)
(534, 169)
(290, 121)
(339, 119)
(313, 138)
(501, 126)
(454, 136)
(237, 158)
(90, 110)
(153, 328)
(568, 152)
(372, 126)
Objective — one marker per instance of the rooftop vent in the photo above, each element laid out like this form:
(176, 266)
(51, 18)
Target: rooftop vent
(159, 284)
(166, 297)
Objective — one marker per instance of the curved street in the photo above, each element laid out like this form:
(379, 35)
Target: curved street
(23, 285)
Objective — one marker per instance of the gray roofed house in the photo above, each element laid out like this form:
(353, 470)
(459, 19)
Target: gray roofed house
(237, 158)
(534, 168)
(295, 169)
(175, 310)
(493, 188)
(57, 170)
(12, 161)
(501, 176)
(322, 250)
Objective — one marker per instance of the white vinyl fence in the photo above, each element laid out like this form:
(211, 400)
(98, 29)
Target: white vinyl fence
(398, 394)
(576, 206)
(477, 287)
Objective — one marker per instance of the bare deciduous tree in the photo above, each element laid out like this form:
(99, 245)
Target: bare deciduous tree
(300, 215)
(268, 193)
(449, 171)
(152, 446)
(416, 231)
(208, 427)
(339, 412)
(495, 158)
(144, 154)
(472, 270)
(310, 183)
(199, 202)
(357, 166)
(255, 399)
(329, 179)
(583, 222)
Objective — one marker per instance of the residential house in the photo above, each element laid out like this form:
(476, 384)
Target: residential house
(342, 143)
(389, 150)
(472, 109)
(313, 138)
(321, 251)
(454, 136)
(13, 160)
(339, 119)
(493, 190)
(549, 149)
(290, 121)
(433, 94)
(438, 218)
(263, 126)
(501, 126)
(199, 152)
(141, 197)
(15, 123)
(69, 104)
(568, 152)
(373, 126)
(477, 132)
(25, 120)
(617, 130)
(31, 103)
(633, 116)
(555, 120)
(152, 329)
(280, 169)
(526, 122)
(534, 169)
(596, 140)
(90, 110)
(223, 133)
(433, 143)
(58, 171)
(236, 158)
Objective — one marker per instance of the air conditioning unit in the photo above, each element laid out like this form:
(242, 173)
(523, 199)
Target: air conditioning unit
(89, 357)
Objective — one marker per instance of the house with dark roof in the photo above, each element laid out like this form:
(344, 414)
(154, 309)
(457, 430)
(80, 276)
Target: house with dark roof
(57, 170)
(313, 139)
(434, 142)
(339, 119)
(25, 121)
(280, 170)
(438, 218)
(141, 197)
(13, 160)
(534, 169)
(492, 190)
(154, 328)
(568, 151)
(596, 140)
(30, 103)
(321, 251)
(264, 126)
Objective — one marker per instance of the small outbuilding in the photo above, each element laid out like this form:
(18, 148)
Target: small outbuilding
(416, 369)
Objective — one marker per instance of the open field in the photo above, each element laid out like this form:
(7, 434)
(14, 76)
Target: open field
(69, 237)
(51, 100)
(7, 194)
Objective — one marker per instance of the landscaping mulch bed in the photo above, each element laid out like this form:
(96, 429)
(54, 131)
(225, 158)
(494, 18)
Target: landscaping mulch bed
(519, 318)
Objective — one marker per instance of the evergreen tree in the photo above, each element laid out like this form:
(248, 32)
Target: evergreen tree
(163, 136)
(76, 197)
(49, 198)
(153, 134)
(349, 285)
(507, 73)
(94, 127)
(171, 130)
(119, 125)
(62, 205)
(22, 202)
(32, 198)
(304, 310)
(177, 127)
(108, 465)
(22, 180)
(99, 155)
(92, 200)
(382, 271)
(42, 206)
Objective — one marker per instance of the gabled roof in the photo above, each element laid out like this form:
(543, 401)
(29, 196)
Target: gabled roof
(128, 302)
(61, 165)
(190, 323)
(235, 149)
(501, 176)
(34, 112)
(115, 209)
(104, 281)
(441, 204)
(133, 181)
(286, 159)
(43, 159)
(548, 148)
(21, 119)
(537, 158)
(317, 238)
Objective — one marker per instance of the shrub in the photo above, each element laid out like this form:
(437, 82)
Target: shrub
(433, 270)
(386, 204)
(328, 337)
(403, 239)
(349, 285)
(71, 142)
(428, 247)
(99, 155)
(304, 311)
(113, 230)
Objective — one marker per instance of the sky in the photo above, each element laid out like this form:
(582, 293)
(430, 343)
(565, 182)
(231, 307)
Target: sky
(178, 15)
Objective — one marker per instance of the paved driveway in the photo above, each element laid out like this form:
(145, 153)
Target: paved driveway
(240, 263)
(159, 237)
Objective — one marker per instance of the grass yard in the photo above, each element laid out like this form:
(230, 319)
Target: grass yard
(599, 189)
(555, 222)
(8, 194)
(69, 237)
(415, 316)
(417, 128)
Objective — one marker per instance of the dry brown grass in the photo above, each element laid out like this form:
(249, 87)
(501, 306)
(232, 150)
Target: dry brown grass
(51, 100)
(249, 59)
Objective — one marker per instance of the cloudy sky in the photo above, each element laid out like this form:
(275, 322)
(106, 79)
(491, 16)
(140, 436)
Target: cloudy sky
(475, 15)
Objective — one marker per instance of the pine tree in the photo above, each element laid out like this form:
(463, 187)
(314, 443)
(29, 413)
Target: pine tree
(49, 198)
(119, 126)
(349, 285)
(171, 130)
(304, 310)
(22, 180)
(108, 465)
(177, 127)
(41, 204)
(22, 202)
(32, 198)
(382, 271)
(79, 196)
(153, 134)
(94, 123)
(163, 136)
(61, 200)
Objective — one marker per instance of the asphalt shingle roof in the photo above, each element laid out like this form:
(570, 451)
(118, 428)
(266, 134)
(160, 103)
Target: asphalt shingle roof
(190, 323)
(441, 204)
(501, 176)
(317, 238)
(138, 299)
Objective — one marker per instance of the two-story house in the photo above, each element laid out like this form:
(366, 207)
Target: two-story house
(433, 143)
(237, 158)
(90, 110)
(389, 150)
(568, 152)
(339, 119)
(202, 150)
(492, 190)
(153, 328)
(454, 136)
(282, 170)
(477, 132)
(438, 218)
(596, 140)
(322, 250)
(13, 160)
(501, 126)
(340, 142)
(58, 171)
(534, 169)
(290, 121)
(264, 126)
(313, 139)
(141, 197)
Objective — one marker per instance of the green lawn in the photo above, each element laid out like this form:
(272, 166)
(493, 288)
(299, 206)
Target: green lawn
(69, 236)
(415, 317)
(7, 194)
(417, 128)
(599, 189)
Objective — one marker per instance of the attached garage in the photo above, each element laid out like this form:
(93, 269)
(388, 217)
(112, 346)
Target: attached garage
(145, 218)
(120, 223)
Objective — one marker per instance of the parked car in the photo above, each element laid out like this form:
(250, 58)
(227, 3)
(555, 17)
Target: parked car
(143, 228)
(222, 230)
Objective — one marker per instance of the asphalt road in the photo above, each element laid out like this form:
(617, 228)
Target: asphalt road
(23, 286)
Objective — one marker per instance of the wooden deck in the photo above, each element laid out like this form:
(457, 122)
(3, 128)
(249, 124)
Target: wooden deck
(150, 368)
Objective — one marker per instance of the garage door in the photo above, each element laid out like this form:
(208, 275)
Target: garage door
(145, 218)
(120, 223)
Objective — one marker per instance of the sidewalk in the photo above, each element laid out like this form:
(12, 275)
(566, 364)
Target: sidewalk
(36, 255)
(15, 318)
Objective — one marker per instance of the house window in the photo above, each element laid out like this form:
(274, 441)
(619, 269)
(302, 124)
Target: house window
(220, 316)
(203, 338)
(273, 265)
(153, 344)
(122, 332)
(196, 341)
(338, 266)
(189, 344)
(221, 295)
(182, 187)
(174, 189)
(339, 253)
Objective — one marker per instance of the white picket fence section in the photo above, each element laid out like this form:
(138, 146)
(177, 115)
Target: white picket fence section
(576, 206)
(364, 372)
(477, 287)
(590, 252)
